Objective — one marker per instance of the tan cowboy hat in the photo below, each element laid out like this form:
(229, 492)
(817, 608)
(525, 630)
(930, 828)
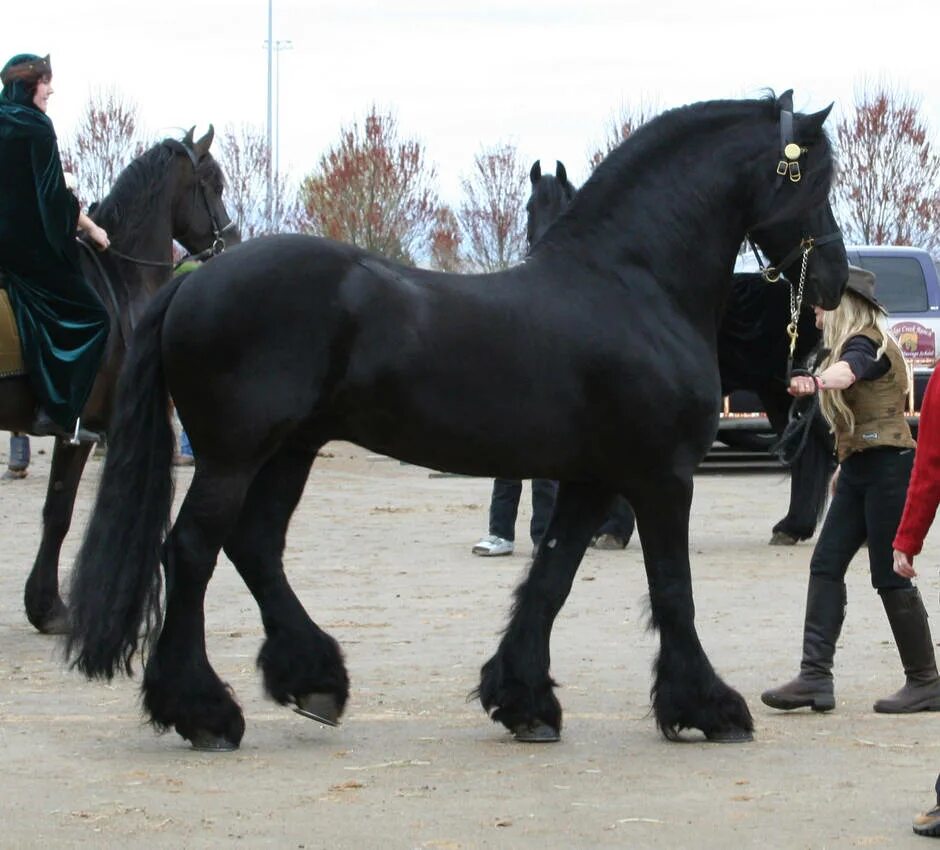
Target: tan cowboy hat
(862, 283)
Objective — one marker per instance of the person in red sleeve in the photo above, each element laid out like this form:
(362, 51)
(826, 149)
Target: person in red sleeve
(862, 388)
(923, 496)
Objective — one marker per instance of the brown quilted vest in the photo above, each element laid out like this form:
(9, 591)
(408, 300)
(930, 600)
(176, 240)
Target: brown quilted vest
(878, 407)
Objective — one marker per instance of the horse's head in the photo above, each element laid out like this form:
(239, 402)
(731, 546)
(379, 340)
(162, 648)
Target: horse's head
(550, 195)
(795, 226)
(200, 219)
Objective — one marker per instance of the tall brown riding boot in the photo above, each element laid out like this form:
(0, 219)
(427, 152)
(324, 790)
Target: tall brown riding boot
(825, 612)
(908, 618)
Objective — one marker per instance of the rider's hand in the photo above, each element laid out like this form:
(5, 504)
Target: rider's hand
(99, 236)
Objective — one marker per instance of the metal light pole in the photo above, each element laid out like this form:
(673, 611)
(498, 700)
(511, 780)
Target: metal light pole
(278, 47)
(267, 206)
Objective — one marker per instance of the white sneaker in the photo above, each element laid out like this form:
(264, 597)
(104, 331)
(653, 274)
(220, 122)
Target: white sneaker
(493, 545)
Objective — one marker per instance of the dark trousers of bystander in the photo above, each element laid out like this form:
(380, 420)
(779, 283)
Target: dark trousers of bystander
(504, 507)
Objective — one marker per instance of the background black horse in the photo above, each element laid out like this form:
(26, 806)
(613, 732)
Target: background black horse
(753, 354)
(172, 191)
(605, 343)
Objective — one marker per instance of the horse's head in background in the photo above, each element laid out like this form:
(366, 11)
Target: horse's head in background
(200, 220)
(178, 176)
(551, 194)
(794, 224)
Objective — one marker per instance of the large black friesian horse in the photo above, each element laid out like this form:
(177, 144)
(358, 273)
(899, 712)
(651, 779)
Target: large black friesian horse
(604, 340)
(753, 354)
(171, 191)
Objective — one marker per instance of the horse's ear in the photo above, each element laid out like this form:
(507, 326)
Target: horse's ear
(188, 138)
(785, 100)
(817, 119)
(536, 173)
(560, 173)
(811, 126)
(201, 147)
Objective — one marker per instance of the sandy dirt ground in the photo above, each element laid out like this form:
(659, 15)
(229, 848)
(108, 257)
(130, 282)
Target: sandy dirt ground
(379, 553)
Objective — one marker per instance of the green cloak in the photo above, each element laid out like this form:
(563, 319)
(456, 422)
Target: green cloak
(62, 323)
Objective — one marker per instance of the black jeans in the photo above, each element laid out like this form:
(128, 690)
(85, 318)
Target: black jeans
(867, 504)
(505, 505)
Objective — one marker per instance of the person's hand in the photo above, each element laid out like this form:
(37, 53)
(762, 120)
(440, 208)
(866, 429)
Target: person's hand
(801, 385)
(99, 236)
(904, 564)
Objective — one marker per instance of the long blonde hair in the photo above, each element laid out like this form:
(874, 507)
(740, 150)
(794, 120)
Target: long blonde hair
(853, 316)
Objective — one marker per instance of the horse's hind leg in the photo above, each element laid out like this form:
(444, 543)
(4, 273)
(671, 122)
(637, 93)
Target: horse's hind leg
(300, 662)
(515, 684)
(181, 690)
(687, 693)
(44, 606)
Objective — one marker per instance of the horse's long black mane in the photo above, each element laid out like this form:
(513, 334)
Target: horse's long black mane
(136, 193)
(637, 159)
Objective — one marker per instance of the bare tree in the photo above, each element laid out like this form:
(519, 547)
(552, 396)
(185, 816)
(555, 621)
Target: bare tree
(620, 126)
(244, 156)
(492, 214)
(375, 190)
(445, 253)
(888, 188)
(107, 139)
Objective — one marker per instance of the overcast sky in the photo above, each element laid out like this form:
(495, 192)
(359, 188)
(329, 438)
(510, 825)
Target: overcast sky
(546, 75)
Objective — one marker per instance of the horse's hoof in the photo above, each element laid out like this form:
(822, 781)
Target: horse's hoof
(55, 621)
(781, 538)
(537, 733)
(320, 707)
(207, 742)
(55, 626)
(730, 736)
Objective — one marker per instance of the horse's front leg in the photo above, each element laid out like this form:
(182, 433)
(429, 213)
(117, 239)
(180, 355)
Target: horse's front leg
(44, 606)
(301, 663)
(516, 688)
(687, 693)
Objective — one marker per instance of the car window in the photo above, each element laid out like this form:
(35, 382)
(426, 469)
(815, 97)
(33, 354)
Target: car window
(900, 283)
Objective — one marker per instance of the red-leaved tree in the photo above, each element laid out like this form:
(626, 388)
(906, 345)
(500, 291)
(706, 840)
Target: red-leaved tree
(619, 127)
(492, 214)
(888, 187)
(375, 190)
(108, 137)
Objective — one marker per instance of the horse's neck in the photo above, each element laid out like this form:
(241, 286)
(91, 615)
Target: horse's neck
(142, 229)
(654, 210)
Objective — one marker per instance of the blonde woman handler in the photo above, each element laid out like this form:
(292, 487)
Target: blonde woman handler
(862, 387)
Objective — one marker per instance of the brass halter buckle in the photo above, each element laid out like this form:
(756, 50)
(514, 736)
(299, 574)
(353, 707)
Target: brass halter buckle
(790, 164)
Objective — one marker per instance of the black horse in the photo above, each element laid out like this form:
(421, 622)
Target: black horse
(172, 191)
(753, 354)
(604, 339)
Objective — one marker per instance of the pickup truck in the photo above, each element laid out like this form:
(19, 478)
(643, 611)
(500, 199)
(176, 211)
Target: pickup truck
(909, 287)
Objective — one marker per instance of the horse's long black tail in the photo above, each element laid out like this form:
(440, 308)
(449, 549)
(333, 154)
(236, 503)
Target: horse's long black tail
(116, 580)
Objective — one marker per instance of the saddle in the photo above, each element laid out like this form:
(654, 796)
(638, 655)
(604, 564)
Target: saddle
(11, 353)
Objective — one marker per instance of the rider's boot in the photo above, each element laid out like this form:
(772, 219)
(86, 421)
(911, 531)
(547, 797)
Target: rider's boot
(44, 426)
(825, 612)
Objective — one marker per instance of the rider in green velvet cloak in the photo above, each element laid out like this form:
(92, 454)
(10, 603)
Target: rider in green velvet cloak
(62, 323)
